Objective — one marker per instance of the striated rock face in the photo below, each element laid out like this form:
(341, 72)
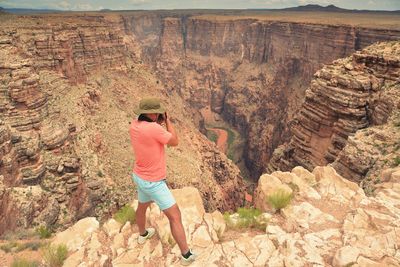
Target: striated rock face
(351, 94)
(330, 222)
(68, 86)
(252, 72)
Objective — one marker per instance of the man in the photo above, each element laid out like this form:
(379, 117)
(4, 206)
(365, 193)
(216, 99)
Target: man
(148, 139)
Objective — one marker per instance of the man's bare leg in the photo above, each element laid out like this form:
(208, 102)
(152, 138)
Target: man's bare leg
(141, 216)
(175, 222)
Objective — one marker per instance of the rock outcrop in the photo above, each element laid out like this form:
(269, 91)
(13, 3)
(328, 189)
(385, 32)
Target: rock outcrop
(330, 222)
(359, 95)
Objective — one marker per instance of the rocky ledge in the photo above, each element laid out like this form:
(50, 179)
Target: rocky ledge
(330, 222)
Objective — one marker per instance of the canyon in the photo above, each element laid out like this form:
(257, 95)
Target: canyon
(252, 72)
(69, 84)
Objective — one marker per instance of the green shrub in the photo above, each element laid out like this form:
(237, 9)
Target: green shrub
(43, 232)
(279, 199)
(244, 218)
(125, 214)
(54, 256)
(8, 247)
(17, 247)
(24, 263)
(212, 136)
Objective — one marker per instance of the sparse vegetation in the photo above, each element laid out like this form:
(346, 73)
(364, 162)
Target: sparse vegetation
(171, 241)
(279, 199)
(396, 161)
(212, 136)
(125, 214)
(100, 173)
(17, 247)
(24, 263)
(8, 247)
(43, 232)
(54, 256)
(19, 234)
(245, 218)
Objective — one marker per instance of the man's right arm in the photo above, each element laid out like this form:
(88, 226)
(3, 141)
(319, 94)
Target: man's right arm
(173, 141)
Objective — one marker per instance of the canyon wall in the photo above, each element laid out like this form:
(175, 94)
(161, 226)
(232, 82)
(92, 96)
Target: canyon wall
(69, 85)
(252, 72)
(360, 92)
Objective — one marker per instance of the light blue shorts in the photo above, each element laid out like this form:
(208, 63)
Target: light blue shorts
(154, 191)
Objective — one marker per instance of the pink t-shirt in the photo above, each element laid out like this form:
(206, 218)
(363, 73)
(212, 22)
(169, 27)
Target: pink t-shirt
(148, 140)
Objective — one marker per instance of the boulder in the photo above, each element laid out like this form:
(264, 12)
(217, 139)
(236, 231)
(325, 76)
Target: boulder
(267, 185)
(75, 236)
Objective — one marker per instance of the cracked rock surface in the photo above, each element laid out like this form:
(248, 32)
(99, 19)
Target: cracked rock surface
(338, 225)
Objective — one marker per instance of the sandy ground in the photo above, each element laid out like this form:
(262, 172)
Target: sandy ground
(222, 138)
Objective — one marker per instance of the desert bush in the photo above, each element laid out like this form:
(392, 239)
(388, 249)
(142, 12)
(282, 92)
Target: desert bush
(8, 247)
(24, 263)
(125, 214)
(17, 247)
(54, 256)
(43, 232)
(245, 218)
(279, 199)
(29, 245)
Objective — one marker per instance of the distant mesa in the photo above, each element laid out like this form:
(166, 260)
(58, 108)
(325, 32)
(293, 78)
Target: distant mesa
(105, 10)
(311, 7)
(28, 10)
(331, 8)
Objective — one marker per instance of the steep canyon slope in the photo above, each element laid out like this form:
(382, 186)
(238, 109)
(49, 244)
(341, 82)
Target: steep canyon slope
(69, 84)
(253, 71)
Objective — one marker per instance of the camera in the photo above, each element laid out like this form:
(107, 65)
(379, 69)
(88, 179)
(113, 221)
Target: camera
(161, 119)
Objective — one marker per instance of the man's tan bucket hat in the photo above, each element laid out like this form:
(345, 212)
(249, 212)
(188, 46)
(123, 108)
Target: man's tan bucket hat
(150, 105)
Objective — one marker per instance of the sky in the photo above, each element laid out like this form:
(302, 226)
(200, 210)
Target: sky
(180, 4)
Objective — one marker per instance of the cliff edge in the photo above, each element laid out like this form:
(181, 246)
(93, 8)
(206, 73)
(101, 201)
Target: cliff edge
(330, 222)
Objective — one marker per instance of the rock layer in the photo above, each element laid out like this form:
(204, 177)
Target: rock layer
(351, 94)
(68, 85)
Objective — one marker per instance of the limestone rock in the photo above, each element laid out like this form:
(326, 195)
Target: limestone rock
(112, 227)
(75, 236)
(346, 256)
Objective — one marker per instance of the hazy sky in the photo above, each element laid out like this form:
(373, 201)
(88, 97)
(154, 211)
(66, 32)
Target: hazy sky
(173, 4)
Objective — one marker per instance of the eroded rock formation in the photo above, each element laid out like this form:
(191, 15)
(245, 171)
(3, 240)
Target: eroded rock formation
(349, 95)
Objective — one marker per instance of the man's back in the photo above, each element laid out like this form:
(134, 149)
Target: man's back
(148, 140)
